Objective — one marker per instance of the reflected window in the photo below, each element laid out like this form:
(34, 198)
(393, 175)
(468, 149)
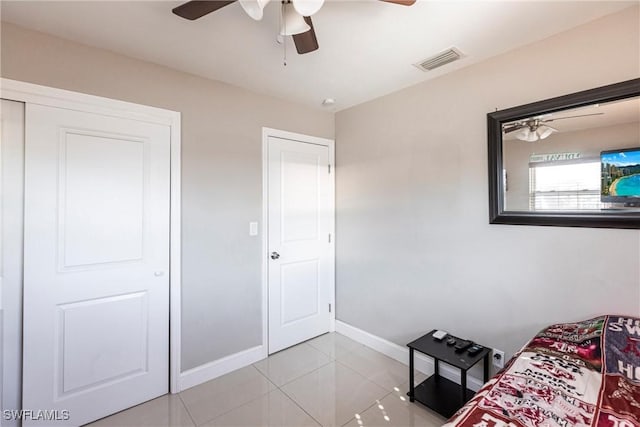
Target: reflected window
(565, 187)
(553, 161)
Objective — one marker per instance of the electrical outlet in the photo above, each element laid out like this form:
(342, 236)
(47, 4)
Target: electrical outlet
(498, 358)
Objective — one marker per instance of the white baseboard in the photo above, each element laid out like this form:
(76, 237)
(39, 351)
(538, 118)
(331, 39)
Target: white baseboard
(422, 363)
(217, 368)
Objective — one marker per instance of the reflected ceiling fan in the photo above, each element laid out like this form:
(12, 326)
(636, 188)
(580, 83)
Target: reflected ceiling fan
(296, 16)
(536, 128)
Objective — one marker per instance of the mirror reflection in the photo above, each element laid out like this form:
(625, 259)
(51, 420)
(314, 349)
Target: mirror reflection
(582, 159)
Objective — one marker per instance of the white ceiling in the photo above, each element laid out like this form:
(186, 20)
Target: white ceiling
(366, 47)
(611, 114)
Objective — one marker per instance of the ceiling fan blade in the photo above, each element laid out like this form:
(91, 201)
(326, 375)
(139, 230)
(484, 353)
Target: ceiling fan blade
(306, 42)
(401, 2)
(198, 8)
(572, 117)
(513, 127)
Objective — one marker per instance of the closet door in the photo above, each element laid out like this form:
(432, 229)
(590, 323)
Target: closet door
(96, 265)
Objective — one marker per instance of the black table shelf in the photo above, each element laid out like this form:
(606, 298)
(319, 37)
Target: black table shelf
(441, 395)
(436, 392)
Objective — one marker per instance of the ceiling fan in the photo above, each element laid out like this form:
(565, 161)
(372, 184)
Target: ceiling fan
(536, 128)
(296, 16)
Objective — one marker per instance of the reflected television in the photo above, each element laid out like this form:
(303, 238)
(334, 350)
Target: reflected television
(620, 182)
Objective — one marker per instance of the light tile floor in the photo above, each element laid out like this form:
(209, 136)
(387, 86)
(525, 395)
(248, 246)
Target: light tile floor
(327, 381)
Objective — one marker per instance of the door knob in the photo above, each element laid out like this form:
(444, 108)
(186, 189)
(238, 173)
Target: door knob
(275, 255)
(158, 273)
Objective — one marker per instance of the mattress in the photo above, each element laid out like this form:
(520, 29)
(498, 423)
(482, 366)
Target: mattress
(571, 374)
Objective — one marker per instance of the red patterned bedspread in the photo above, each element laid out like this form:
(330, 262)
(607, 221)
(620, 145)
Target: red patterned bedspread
(573, 374)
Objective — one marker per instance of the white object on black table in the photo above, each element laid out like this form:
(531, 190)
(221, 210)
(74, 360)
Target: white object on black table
(439, 335)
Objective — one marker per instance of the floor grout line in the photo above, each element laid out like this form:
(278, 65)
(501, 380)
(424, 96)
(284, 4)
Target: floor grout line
(390, 361)
(336, 361)
(346, 352)
(306, 373)
(366, 409)
(233, 409)
(333, 359)
(286, 394)
(264, 375)
(186, 409)
(239, 406)
(300, 406)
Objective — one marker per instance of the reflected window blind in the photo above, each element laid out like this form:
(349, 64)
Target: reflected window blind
(565, 187)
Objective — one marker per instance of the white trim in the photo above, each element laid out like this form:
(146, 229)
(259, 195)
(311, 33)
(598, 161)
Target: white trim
(300, 137)
(217, 368)
(2, 267)
(12, 239)
(422, 363)
(264, 253)
(175, 257)
(330, 144)
(43, 95)
(332, 227)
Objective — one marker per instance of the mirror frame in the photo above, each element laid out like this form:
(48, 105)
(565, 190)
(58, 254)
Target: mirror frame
(495, 120)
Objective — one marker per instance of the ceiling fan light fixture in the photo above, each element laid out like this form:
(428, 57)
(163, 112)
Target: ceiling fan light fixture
(292, 22)
(533, 137)
(525, 134)
(295, 17)
(254, 8)
(544, 131)
(307, 7)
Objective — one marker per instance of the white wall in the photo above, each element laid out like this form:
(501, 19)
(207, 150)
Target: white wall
(221, 174)
(415, 249)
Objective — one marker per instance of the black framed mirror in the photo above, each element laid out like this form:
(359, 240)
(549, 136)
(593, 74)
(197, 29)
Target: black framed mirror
(570, 161)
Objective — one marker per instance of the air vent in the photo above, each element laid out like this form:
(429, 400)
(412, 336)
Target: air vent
(439, 60)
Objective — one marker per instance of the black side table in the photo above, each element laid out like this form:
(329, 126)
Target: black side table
(436, 392)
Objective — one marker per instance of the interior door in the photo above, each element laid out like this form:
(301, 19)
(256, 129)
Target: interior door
(96, 264)
(298, 242)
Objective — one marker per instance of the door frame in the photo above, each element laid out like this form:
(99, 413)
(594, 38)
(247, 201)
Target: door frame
(301, 138)
(43, 95)
(10, 356)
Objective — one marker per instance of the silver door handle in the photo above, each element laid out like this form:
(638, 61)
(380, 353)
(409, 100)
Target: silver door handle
(275, 255)
(158, 273)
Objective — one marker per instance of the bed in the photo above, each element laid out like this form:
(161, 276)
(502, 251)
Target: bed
(573, 374)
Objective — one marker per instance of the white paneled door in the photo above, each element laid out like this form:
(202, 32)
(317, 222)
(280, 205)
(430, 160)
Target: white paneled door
(298, 241)
(96, 265)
